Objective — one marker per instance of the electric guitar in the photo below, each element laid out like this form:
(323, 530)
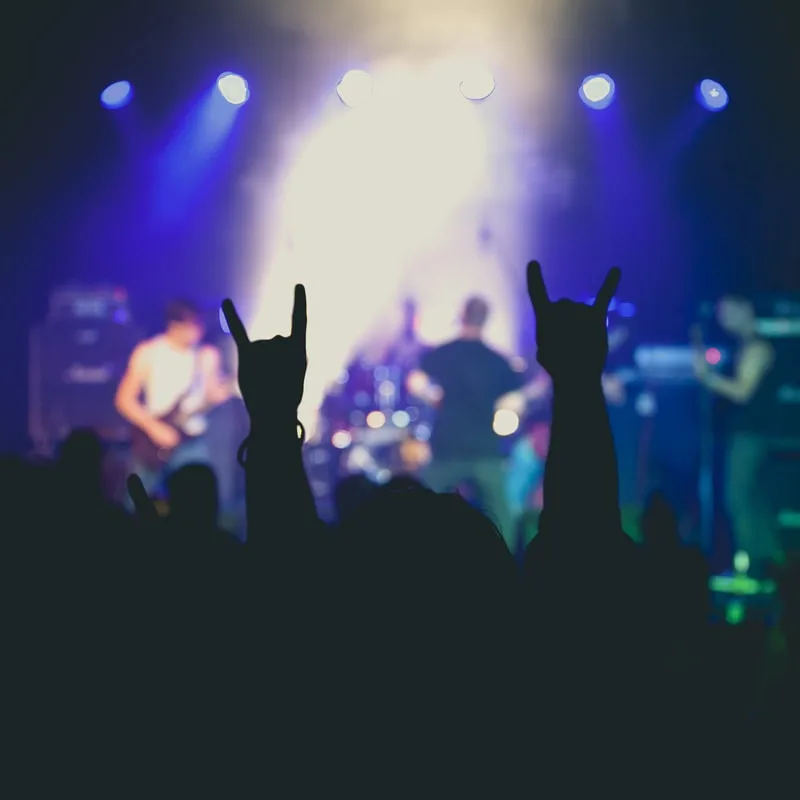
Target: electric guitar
(146, 452)
(150, 455)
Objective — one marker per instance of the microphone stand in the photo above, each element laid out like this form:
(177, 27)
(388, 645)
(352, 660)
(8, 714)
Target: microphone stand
(705, 480)
(705, 487)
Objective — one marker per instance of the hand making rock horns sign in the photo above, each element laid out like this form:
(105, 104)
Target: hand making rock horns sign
(571, 338)
(272, 371)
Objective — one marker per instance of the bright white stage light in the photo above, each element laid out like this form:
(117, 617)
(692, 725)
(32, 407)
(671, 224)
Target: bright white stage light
(355, 88)
(478, 85)
(233, 88)
(377, 206)
(597, 91)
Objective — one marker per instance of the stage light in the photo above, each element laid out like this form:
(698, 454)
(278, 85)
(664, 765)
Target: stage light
(506, 422)
(233, 88)
(117, 95)
(712, 95)
(355, 88)
(478, 86)
(597, 91)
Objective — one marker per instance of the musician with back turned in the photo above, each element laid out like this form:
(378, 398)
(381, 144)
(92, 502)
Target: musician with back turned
(172, 381)
(751, 391)
(467, 382)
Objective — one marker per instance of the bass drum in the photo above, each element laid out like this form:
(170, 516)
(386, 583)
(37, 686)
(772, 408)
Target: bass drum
(384, 454)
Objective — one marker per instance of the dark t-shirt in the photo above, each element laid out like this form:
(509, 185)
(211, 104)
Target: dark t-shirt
(759, 414)
(473, 377)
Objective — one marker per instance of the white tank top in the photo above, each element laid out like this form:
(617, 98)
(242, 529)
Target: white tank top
(173, 374)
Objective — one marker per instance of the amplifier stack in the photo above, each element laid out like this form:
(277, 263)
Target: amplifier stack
(76, 360)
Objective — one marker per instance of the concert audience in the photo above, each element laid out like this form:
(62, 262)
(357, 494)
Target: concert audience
(402, 651)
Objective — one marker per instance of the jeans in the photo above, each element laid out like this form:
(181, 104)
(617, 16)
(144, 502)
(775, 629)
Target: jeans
(524, 474)
(745, 497)
(488, 475)
(193, 451)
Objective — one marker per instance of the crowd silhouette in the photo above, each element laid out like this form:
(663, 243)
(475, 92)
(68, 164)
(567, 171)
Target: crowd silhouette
(402, 651)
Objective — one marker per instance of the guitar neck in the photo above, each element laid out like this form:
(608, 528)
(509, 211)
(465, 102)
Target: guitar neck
(178, 418)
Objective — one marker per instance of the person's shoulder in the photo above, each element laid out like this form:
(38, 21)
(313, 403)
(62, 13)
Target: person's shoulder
(147, 347)
(152, 342)
(439, 349)
(496, 355)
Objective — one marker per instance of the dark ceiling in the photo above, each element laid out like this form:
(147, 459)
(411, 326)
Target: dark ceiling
(57, 56)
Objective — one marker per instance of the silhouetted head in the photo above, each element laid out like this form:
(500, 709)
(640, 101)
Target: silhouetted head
(193, 497)
(13, 479)
(789, 591)
(81, 459)
(736, 315)
(429, 596)
(351, 493)
(424, 558)
(184, 323)
(405, 483)
(659, 522)
(474, 315)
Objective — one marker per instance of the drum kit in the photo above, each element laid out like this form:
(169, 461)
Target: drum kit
(374, 425)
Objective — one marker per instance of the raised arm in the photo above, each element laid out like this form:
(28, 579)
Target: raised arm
(271, 378)
(581, 491)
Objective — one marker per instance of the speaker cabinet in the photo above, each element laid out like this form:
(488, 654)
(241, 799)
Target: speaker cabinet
(74, 369)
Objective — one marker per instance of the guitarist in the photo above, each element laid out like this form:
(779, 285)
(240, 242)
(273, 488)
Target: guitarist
(173, 372)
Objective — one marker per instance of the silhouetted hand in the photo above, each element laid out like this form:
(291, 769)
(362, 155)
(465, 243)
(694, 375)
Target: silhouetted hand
(571, 338)
(145, 509)
(272, 371)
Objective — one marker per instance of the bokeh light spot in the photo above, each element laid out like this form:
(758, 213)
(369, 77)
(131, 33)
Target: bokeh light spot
(597, 91)
(355, 88)
(712, 95)
(233, 88)
(117, 95)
